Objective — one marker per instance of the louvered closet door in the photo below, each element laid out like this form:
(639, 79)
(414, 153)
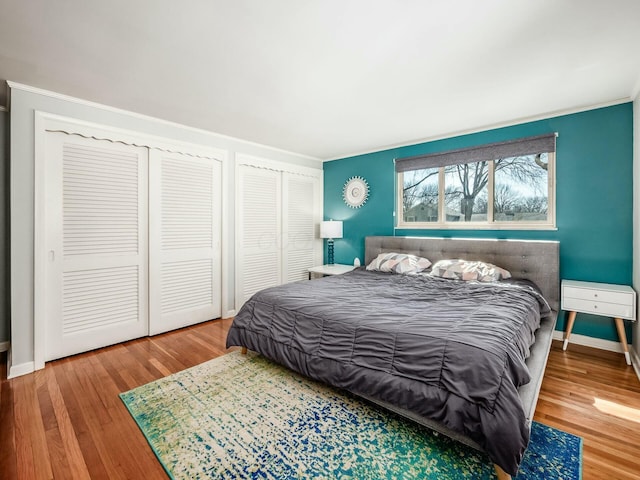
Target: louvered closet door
(299, 223)
(96, 240)
(259, 254)
(185, 233)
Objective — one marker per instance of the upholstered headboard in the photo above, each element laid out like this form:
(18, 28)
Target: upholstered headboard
(538, 261)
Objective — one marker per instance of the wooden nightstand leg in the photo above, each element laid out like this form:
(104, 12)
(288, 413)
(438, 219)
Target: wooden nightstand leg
(623, 339)
(572, 318)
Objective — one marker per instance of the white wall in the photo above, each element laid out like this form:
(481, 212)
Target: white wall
(4, 229)
(24, 102)
(635, 339)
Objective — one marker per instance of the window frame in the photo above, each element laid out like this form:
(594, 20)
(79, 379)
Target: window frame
(490, 223)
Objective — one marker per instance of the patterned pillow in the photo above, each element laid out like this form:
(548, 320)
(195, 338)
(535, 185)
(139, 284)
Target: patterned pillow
(469, 270)
(399, 263)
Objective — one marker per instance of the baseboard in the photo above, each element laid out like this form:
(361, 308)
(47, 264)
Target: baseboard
(635, 361)
(229, 314)
(589, 341)
(4, 346)
(22, 369)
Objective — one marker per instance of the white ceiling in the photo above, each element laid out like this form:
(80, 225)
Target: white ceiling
(328, 78)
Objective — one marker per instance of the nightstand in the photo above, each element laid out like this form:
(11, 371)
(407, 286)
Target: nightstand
(617, 301)
(333, 269)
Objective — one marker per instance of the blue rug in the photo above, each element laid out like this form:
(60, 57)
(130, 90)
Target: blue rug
(241, 416)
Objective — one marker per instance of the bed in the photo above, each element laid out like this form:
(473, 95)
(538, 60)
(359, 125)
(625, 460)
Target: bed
(463, 358)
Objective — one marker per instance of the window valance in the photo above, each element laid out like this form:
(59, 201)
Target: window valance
(511, 148)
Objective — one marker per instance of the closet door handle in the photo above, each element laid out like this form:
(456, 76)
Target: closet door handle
(52, 255)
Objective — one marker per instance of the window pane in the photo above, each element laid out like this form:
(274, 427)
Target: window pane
(521, 189)
(420, 195)
(466, 192)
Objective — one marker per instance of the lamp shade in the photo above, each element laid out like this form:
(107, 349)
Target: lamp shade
(331, 229)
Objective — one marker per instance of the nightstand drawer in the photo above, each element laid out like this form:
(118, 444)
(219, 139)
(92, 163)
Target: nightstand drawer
(598, 307)
(625, 298)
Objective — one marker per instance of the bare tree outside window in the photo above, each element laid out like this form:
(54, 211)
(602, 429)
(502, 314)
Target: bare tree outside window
(463, 184)
(420, 195)
(520, 191)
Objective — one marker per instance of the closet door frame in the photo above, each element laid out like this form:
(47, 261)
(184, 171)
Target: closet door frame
(47, 122)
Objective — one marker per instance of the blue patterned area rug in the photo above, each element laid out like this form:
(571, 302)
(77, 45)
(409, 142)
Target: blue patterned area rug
(241, 416)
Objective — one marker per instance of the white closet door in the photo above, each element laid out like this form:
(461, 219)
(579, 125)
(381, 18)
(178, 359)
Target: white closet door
(259, 254)
(299, 225)
(185, 234)
(96, 241)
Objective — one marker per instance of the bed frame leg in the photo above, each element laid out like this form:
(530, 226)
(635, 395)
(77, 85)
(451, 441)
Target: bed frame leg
(501, 474)
(244, 350)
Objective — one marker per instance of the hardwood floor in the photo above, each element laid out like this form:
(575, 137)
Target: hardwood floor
(67, 421)
(596, 395)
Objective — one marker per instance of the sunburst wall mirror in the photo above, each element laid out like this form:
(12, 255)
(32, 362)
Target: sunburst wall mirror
(355, 192)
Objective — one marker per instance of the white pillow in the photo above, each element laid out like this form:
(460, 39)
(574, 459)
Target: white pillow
(469, 270)
(399, 263)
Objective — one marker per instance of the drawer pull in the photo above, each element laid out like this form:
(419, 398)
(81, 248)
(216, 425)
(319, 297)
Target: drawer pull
(595, 306)
(595, 295)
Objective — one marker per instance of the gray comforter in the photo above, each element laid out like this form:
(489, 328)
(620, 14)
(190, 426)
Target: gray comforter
(447, 350)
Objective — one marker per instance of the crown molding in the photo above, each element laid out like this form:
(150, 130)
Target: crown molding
(484, 128)
(88, 103)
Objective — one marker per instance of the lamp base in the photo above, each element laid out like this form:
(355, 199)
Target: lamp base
(330, 251)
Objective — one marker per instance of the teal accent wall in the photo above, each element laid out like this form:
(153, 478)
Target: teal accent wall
(594, 198)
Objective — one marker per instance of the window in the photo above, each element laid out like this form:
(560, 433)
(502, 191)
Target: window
(503, 185)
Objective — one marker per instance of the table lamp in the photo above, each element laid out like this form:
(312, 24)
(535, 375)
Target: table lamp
(330, 229)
